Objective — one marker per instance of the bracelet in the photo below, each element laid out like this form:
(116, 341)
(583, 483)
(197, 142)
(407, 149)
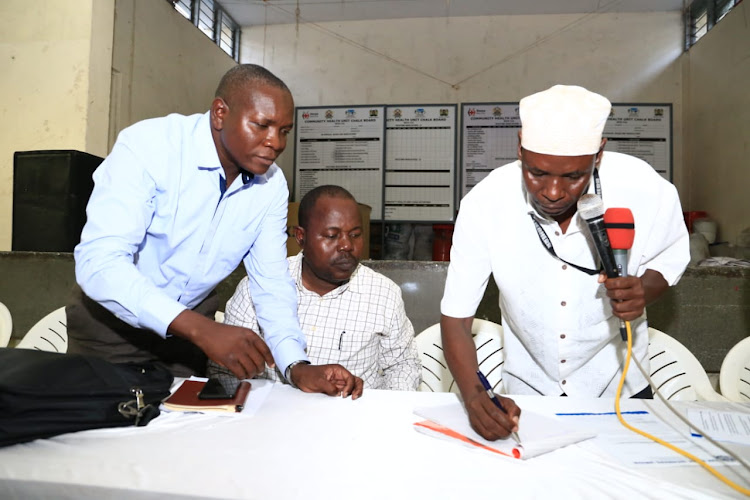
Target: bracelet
(288, 371)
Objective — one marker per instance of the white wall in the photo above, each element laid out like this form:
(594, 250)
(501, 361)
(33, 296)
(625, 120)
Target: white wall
(54, 58)
(718, 124)
(161, 64)
(61, 60)
(626, 57)
(57, 58)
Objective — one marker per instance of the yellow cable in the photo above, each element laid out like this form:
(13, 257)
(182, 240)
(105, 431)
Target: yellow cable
(684, 453)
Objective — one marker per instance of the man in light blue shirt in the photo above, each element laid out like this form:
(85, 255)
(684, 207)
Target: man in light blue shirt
(177, 205)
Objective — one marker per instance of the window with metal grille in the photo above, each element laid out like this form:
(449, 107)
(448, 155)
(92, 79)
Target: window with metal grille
(206, 18)
(723, 7)
(702, 15)
(184, 8)
(228, 35)
(209, 17)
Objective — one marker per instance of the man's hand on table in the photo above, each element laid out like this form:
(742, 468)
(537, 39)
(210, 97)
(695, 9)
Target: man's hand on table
(238, 349)
(334, 380)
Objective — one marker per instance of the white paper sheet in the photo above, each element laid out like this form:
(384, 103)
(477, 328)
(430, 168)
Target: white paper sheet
(730, 426)
(633, 449)
(538, 434)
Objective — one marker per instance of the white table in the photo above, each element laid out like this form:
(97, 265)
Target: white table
(311, 446)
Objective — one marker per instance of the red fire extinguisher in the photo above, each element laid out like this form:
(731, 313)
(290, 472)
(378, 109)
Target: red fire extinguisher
(441, 243)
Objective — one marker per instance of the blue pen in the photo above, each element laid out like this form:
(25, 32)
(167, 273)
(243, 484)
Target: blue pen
(493, 397)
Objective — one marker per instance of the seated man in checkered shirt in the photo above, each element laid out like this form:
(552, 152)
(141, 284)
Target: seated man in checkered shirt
(350, 314)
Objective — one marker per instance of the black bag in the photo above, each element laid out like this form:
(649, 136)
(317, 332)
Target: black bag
(43, 394)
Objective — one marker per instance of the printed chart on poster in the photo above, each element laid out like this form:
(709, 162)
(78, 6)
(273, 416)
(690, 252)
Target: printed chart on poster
(643, 131)
(489, 137)
(420, 163)
(343, 146)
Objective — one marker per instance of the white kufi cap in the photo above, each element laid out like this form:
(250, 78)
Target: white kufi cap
(564, 120)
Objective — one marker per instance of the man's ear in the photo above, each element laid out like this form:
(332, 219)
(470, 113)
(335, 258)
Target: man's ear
(299, 235)
(219, 110)
(601, 152)
(519, 144)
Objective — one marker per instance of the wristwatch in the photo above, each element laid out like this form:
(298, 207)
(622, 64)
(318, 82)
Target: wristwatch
(288, 371)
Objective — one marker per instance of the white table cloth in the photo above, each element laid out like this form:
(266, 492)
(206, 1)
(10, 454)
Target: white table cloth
(295, 445)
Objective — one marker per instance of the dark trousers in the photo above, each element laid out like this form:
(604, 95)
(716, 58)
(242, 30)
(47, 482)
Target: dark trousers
(93, 330)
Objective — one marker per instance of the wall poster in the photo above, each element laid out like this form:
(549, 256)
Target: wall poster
(420, 163)
(643, 131)
(489, 137)
(341, 145)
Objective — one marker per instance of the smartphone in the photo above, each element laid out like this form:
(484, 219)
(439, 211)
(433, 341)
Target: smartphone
(215, 390)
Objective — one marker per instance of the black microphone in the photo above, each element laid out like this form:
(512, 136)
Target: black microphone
(591, 209)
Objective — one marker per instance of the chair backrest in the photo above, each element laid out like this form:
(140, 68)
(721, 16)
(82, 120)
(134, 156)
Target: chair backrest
(49, 334)
(488, 339)
(734, 377)
(6, 325)
(676, 372)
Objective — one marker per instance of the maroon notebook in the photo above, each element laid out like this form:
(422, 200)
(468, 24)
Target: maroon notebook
(186, 398)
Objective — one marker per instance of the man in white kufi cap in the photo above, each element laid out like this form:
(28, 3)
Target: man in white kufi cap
(560, 316)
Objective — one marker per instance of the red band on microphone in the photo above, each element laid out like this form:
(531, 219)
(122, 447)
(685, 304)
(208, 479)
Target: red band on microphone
(620, 228)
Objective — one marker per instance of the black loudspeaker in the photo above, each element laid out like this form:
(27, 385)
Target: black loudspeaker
(50, 193)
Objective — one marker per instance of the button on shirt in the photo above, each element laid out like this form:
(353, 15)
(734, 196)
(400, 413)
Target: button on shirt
(559, 331)
(361, 325)
(163, 230)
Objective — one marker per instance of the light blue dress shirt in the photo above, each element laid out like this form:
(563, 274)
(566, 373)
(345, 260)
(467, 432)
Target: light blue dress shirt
(162, 232)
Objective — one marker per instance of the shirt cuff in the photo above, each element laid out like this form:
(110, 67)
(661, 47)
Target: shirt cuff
(287, 352)
(453, 310)
(158, 312)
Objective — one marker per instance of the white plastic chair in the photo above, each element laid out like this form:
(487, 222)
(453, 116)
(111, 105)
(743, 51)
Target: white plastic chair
(6, 325)
(676, 372)
(436, 377)
(219, 317)
(49, 334)
(734, 377)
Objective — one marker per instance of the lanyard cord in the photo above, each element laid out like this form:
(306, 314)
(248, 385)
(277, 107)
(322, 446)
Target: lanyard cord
(548, 244)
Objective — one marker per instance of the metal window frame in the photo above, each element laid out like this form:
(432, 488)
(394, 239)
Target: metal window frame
(715, 10)
(219, 17)
(723, 7)
(199, 18)
(222, 17)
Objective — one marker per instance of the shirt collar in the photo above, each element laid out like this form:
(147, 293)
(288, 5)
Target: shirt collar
(207, 158)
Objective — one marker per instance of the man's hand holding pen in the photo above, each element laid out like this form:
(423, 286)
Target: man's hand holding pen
(490, 421)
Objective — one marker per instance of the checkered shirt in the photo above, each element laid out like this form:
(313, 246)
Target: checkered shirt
(361, 325)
